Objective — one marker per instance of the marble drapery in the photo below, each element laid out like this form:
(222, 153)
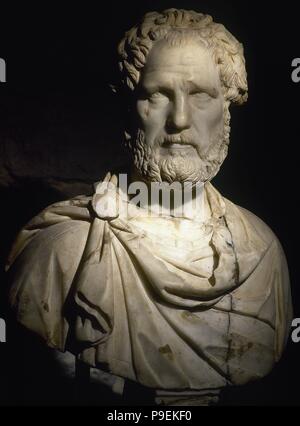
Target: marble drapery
(142, 313)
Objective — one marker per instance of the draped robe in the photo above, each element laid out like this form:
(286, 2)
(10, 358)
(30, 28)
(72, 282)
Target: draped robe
(139, 312)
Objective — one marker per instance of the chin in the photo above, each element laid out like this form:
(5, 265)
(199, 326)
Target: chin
(181, 169)
(179, 166)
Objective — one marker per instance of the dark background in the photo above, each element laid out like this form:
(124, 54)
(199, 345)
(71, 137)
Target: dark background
(60, 130)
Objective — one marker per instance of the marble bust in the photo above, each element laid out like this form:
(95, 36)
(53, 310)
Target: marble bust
(185, 304)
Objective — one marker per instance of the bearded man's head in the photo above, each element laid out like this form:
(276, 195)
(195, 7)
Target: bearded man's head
(183, 70)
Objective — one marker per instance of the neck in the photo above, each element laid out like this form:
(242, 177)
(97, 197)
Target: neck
(178, 199)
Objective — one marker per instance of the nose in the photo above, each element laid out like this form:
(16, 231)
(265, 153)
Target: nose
(179, 114)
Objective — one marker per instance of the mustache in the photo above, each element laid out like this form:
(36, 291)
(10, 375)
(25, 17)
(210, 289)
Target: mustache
(182, 138)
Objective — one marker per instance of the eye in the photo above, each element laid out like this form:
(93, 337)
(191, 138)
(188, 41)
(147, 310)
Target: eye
(200, 100)
(200, 96)
(157, 96)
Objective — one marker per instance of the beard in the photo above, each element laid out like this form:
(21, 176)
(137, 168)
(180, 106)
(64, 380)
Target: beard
(181, 165)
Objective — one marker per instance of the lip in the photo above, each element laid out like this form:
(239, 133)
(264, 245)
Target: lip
(176, 145)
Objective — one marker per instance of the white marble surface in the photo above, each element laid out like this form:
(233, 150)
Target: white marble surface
(179, 304)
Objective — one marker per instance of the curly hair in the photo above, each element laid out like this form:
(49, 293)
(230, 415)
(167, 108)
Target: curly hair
(226, 50)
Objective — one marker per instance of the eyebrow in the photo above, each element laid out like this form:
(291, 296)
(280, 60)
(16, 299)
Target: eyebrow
(164, 84)
(211, 90)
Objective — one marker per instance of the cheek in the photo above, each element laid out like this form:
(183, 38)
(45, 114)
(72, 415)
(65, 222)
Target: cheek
(151, 117)
(142, 108)
(208, 122)
(216, 117)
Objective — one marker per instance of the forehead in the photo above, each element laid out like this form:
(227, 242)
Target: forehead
(189, 62)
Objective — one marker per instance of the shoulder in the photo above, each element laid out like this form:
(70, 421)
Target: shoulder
(44, 264)
(50, 247)
(59, 233)
(264, 231)
(255, 243)
(64, 228)
(63, 242)
(59, 227)
(250, 225)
